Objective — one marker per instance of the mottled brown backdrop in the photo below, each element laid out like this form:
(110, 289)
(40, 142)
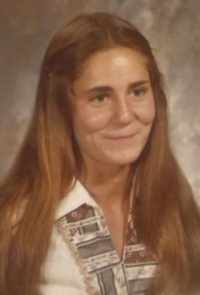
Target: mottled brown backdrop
(173, 26)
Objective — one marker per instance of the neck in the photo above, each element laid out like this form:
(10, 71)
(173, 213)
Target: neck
(110, 187)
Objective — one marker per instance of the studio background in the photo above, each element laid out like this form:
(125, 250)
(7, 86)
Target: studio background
(172, 26)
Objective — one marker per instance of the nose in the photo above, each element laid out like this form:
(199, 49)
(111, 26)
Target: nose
(123, 113)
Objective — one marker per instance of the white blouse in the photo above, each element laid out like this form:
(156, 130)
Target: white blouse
(82, 259)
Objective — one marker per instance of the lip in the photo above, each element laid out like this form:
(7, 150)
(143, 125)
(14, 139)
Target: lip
(121, 137)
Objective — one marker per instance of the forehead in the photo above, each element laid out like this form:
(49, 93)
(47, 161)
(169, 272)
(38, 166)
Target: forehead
(113, 65)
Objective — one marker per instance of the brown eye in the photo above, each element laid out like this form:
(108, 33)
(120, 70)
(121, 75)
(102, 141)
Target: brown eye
(137, 92)
(99, 98)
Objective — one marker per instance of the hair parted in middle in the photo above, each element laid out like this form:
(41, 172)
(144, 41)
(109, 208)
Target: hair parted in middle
(50, 159)
(74, 44)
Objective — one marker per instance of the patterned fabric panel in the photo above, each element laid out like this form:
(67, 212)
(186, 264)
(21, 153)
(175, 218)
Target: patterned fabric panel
(88, 237)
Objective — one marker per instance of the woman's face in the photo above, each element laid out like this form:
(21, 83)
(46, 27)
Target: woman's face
(113, 107)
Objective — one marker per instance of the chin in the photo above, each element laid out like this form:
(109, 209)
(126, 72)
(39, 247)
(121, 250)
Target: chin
(124, 159)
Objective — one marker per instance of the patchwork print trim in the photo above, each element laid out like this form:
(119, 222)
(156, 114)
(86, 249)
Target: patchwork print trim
(62, 229)
(87, 236)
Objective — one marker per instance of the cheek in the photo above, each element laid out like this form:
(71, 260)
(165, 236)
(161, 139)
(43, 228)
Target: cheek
(146, 114)
(90, 120)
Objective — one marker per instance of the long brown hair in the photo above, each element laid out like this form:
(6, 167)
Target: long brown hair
(48, 160)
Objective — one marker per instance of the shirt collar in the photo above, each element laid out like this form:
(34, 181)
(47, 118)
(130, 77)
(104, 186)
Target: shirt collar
(77, 196)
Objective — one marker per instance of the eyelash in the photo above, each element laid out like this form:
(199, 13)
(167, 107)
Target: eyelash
(139, 91)
(99, 98)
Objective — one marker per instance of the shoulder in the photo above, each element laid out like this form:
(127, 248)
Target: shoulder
(60, 272)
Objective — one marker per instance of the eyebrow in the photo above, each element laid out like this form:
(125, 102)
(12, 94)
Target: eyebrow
(105, 88)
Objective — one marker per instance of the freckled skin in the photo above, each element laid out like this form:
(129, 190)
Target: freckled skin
(113, 117)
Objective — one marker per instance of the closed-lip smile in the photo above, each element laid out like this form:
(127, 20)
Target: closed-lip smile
(121, 137)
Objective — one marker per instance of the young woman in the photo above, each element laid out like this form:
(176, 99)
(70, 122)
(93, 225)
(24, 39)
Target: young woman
(95, 202)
